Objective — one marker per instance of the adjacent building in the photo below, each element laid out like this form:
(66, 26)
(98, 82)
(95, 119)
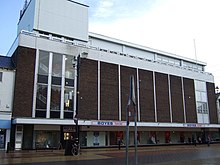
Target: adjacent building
(7, 80)
(70, 81)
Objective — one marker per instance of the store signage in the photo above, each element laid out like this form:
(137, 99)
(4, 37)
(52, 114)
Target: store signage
(69, 129)
(109, 123)
(193, 125)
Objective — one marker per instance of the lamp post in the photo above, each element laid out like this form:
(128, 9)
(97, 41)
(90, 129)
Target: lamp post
(77, 62)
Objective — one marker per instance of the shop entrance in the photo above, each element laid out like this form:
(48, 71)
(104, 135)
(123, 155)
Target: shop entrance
(2, 138)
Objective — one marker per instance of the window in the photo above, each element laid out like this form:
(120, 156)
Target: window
(68, 99)
(202, 107)
(55, 98)
(41, 102)
(201, 97)
(43, 63)
(69, 69)
(57, 65)
(1, 73)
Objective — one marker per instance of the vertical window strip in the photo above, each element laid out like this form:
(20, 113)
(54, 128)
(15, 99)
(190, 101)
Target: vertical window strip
(35, 84)
(49, 85)
(62, 88)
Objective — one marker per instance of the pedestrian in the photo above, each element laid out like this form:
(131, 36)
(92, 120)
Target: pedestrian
(208, 141)
(119, 144)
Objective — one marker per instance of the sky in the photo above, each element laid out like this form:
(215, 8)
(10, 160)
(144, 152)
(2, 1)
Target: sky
(168, 25)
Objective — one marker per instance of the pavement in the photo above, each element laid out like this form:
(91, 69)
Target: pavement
(155, 155)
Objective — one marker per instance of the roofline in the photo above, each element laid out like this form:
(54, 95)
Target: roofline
(118, 41)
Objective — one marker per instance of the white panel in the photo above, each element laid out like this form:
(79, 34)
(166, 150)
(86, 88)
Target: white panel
(200, 117)
(62, 17)
(206, 118)
(7, 90)
(107, 45)
(139, 53)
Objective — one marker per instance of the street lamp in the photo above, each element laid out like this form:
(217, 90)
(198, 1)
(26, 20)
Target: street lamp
(76, 65)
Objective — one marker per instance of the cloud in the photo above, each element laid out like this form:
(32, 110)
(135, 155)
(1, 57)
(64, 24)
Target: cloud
(104, 9)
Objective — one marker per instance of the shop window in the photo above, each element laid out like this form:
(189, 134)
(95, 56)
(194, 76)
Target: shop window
(46, 139)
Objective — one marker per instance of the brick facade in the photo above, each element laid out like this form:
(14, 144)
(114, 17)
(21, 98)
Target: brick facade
(109, 85)
(212, 104)
(162, 94)
(88, 87)
(147, 110)
(176, 99)
(190, 101)
(24, 59)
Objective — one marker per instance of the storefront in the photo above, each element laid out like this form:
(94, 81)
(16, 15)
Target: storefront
(5, 126)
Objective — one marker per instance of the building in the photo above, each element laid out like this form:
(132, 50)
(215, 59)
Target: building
(71, 81)
(7, 78)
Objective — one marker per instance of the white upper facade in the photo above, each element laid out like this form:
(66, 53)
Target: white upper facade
(58, 17)
(67, 22)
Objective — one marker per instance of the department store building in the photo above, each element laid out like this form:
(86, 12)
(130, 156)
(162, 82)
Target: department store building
(70, 81)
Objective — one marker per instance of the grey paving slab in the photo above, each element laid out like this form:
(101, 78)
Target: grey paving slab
(163, 155)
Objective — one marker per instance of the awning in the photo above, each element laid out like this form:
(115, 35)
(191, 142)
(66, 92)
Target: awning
(5, 124)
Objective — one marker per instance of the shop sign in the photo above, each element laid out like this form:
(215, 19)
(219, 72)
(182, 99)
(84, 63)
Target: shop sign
(109, 123)
(193, 125)
(69, 129)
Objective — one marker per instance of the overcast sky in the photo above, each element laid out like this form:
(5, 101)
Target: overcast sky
(167, 25)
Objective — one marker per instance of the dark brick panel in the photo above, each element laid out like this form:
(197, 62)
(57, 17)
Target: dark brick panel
(162, 94)
(190, 101)
(176, 99)
(211, 103)
(24, 59)
(126, 72)
(109, 91)
(88, 87)
(146, 96)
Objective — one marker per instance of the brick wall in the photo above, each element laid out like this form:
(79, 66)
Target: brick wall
(211, 103)
(176, 99)
(88, 90)
(162, 93)
(146, 96)
(109, 91)
(24, 81)
(190, 102)
(126, 72)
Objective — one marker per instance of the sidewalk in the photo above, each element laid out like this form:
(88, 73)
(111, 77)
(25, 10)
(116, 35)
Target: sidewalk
(158, 155)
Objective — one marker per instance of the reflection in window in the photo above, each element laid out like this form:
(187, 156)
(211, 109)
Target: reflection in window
(57, 65)
(68, 99)
(43, 63)
(55, 98)
(41, 102)
(69, 69)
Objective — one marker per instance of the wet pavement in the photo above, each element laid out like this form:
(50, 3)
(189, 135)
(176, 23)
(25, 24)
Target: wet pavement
(157, 155)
